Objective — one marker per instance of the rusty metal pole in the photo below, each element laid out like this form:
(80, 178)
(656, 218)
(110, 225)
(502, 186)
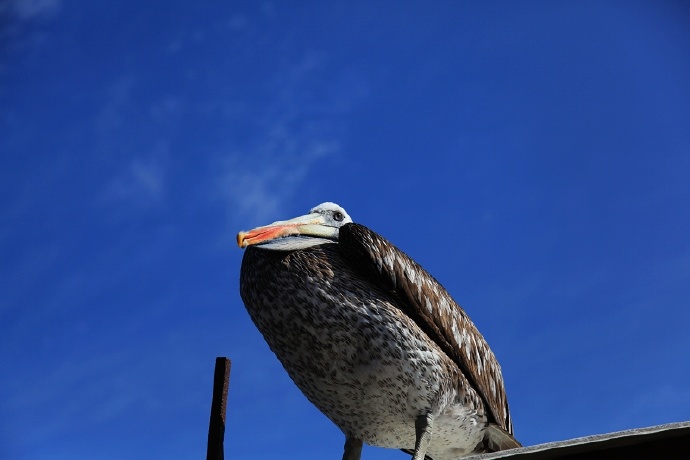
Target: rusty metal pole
(216, 427)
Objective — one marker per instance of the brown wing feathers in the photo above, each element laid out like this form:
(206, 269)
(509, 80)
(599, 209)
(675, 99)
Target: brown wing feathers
(433, 309)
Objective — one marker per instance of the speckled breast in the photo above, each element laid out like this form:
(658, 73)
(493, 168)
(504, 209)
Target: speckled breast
(342, 340)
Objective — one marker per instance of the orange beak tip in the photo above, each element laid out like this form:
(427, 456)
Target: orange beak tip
(240, 239)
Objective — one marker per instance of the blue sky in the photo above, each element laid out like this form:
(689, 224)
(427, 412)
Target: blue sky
(533, 156)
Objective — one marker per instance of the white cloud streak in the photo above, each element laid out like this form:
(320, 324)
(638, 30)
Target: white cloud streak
(283, 164)
(295, 134)
(34, 9)
(141, 183)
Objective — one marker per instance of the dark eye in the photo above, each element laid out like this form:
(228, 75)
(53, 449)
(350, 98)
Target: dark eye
(338, 216)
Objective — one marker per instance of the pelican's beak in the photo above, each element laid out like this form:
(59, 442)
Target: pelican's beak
(308, 225)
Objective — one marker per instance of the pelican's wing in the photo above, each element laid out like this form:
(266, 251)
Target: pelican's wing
(433, 309)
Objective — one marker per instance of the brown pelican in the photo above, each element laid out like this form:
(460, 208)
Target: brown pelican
(372, 339)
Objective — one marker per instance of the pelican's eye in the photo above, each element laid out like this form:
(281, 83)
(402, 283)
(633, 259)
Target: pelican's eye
(338, 216)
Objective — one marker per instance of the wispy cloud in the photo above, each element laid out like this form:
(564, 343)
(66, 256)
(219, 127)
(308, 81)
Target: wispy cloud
(141, 183)
(281, 165)
(20, 22)
(114, 386)
(32, 9)
(142, 167)
(112, 117)
(293, 135)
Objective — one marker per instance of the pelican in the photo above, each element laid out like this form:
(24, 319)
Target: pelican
(372, 339)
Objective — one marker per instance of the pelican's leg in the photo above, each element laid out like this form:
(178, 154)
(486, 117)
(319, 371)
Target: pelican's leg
(353, 449)
(423, 426)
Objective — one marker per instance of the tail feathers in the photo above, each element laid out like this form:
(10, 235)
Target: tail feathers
(496, 438)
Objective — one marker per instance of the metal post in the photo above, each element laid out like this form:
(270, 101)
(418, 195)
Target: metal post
(216, 427)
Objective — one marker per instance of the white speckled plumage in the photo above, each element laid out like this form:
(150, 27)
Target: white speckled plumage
(376, 343)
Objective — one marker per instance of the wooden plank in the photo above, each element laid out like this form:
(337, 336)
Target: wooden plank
(216, 427)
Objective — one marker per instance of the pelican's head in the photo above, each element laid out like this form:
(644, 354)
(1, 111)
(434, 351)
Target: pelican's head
(320, 226)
